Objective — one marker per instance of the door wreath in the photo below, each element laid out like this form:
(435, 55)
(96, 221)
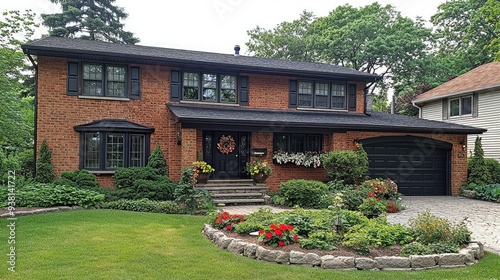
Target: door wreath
(226, 144)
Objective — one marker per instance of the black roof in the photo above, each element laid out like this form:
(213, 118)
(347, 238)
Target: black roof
(113, 125)
(296, 120)
(87, 49)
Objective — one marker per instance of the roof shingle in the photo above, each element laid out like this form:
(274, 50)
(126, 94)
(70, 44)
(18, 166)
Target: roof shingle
(483, 77)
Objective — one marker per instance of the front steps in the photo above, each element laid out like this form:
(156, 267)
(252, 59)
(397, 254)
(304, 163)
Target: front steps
(237, 192)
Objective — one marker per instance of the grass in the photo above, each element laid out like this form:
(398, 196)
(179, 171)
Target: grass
(111, 244)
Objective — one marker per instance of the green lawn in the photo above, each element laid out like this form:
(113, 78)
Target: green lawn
(109, 244)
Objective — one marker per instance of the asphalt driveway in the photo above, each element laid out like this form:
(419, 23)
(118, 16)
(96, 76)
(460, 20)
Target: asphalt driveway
(483, 218)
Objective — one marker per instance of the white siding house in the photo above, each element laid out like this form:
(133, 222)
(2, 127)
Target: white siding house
(471, 99)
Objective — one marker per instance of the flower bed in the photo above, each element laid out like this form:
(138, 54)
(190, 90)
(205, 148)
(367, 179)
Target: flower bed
(467, 256)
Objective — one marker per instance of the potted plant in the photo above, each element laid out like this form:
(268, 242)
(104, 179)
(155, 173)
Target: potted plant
(201, 171)
(259, 170)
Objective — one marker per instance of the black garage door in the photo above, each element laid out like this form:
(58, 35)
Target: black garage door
(420, 166)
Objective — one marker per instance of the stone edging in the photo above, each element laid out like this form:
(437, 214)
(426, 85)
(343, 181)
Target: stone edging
(465, 257)
(42, 210)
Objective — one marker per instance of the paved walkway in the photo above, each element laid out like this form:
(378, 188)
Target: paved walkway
(483, 218)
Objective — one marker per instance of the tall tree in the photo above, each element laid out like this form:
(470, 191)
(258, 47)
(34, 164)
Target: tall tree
(375, 39)
(491, 11)
(464, 34)
(89, 19)
(16, 79)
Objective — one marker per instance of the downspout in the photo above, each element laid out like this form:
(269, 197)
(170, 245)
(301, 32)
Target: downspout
(36, 112)
(419, 109)
(368, 102)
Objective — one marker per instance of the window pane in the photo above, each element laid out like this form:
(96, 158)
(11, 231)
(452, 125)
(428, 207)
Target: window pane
(280, 142)
(91, 150)
(228, 95)
(116, 89)
(454, 107)
(114, 150)
(338, 96)
(243, 145)
(137, 148)
(297, 143)
(209, 87)
(92, 71)
(190, 93)
(191, 79)
(321, 95)
(208, 146)
(191, 86)
(466, 106)
(92, 88)
(314, 143)
(305, 92)
(228, 82)
(116, 73)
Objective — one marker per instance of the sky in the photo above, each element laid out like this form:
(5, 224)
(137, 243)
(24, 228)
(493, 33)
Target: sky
(216, 25)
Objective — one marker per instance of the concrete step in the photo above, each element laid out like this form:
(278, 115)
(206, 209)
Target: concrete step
(234, 189)
(240, 201)
(213, 181)
(239, 195)
(225, 184)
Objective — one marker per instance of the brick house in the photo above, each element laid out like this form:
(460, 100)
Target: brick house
(102, 106)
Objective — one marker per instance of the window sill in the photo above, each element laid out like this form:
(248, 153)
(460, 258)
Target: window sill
(323, 110)
(104, 98)
(460, 116)
(210, 103)
(99, 172)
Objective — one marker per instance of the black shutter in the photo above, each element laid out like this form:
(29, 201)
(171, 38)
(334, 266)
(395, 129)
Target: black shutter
(292, 98)
(135, 83)
(244, 91)
(445, 109)
(475, 103)
(352, 97)
(175, 85)
(73, 77)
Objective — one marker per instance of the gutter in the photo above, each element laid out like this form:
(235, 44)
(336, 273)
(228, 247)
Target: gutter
(35, 133)
(457, 94)
(419, 109)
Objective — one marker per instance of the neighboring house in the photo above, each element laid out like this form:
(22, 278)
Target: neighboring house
(470, 99)
(103, 106)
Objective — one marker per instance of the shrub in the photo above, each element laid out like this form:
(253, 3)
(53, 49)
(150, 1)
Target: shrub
(44, 166)
(143, 182)
(322, 240)
(47, 195)
(478, 170)
(193, 201)
(429, 229)
(78, 179)
(493, 167)
(304, 193)
(278, 235)
(372, 207)
(143, 205)
(124, 178)
(26, 163)
(335, 186)
(382, 188)
(276, 198)
(187, 177)
(488, 192)
(353, 197)
(157, 161)
(350, 167)
(415, 248)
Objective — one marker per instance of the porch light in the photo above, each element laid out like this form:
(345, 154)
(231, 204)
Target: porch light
(463, 143)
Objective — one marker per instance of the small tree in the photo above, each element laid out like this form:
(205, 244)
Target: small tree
(478, 170)
(44, 166)
(349, 166)
(157, 161)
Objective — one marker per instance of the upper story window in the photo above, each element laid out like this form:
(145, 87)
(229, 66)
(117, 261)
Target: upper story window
(322, 95)
(207, 87)
(103, 80)
(461, 106)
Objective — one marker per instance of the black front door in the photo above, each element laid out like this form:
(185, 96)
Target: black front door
(227, 153)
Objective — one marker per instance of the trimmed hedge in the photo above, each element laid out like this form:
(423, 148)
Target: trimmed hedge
(144, 205)
(304, 193)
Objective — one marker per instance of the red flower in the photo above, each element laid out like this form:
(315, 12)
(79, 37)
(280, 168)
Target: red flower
(371, 195)
(283, 227)
(269, 235)
(261, 231)
(218, 221)
(378, 198)
(229, 227)
(296, 238)
(289, 227)
(281, 243)
(278, 232)
(273, 226)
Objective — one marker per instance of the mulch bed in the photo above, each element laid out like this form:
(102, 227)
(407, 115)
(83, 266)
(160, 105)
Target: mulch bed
(340, 251)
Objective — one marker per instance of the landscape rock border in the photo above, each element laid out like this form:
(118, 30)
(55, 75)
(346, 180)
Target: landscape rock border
(41, 210)
(467, 256)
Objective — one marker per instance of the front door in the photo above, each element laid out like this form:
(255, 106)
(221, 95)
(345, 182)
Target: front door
(227, 153)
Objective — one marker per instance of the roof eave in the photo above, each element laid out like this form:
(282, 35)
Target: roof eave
(435, 98)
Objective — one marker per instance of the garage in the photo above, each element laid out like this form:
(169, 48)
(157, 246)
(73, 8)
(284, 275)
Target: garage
(420, 166)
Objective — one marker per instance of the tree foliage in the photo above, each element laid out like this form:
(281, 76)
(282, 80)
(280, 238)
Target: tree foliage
(91, 20)
(478, 169)
(491, 11)
(16, 82)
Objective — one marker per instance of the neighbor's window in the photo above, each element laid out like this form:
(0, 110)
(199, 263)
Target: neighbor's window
(213, 87)
(322, 95)
(109, 151)
(297, 142)
(104, 80)
(461, 106)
